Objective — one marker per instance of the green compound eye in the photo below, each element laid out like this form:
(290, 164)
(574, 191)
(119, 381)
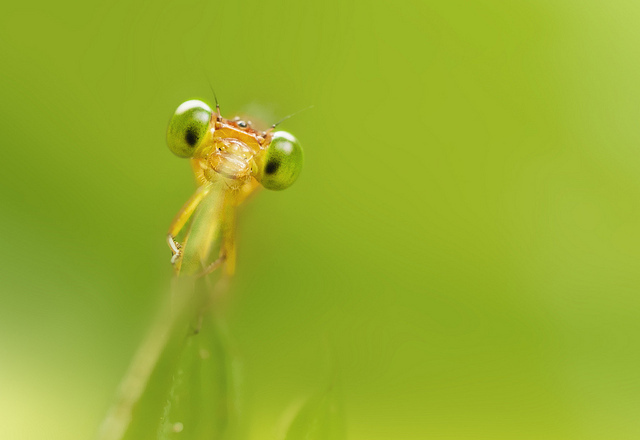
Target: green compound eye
(187, 127)
(283, 162)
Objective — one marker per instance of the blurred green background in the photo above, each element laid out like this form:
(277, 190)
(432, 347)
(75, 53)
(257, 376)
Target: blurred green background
(463, 244)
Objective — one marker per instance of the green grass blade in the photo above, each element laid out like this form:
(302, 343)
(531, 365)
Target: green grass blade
(203, 238)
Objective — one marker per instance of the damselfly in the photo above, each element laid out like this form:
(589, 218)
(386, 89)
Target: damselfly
(230, 160)
(180, 382)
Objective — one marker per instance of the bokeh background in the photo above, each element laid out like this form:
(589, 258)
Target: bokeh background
(463, 245)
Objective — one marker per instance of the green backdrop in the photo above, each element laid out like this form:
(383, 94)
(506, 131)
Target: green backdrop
(462, 245)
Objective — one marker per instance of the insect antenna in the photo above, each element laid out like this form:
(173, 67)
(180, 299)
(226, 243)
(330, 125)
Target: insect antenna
(289, 116)
(215, 97)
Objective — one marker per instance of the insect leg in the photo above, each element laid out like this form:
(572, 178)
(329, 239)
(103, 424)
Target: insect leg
(181, 219)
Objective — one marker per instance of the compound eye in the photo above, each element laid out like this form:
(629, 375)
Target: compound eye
(282, 163)
(187, 127)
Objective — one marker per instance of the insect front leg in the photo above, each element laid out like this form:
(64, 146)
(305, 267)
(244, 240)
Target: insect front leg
(180, 220)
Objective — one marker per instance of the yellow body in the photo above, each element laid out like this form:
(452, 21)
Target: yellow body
(226, 164)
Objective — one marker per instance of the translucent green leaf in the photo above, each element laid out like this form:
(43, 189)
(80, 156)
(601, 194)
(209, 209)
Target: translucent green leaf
(321, 417)
(181, 383)
(202, 403)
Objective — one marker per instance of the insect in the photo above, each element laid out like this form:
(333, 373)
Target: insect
(230, 160)
(180, 381)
